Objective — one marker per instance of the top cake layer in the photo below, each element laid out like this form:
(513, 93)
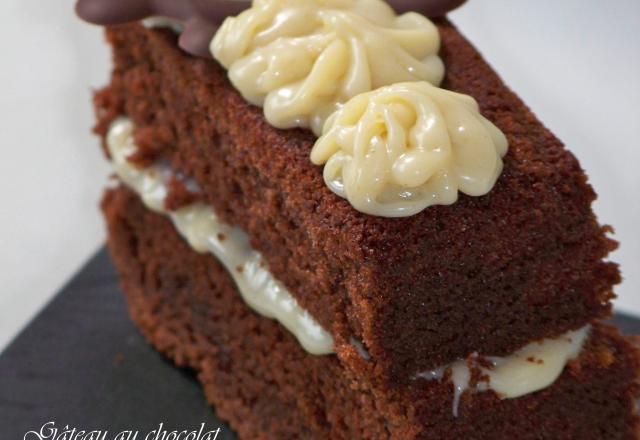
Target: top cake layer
(486, 274)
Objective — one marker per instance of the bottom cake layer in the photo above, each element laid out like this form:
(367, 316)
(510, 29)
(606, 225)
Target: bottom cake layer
(267, 387)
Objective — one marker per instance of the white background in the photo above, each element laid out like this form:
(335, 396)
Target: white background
(575, 62)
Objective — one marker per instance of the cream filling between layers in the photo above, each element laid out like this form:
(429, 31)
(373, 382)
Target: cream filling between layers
(530, 369)
(198, 224)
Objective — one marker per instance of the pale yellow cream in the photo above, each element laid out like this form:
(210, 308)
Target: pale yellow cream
(399, 149)
(301, 59)
(202, 229)
(532, 368)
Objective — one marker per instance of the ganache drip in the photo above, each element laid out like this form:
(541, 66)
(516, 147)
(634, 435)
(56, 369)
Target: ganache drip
(201, 18)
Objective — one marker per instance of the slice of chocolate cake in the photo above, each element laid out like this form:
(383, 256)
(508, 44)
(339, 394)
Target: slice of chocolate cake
(266, 385)
(420, 251)
(485, 274)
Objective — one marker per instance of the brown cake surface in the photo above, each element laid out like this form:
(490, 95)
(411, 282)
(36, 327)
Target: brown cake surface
(260, 380)
(486, 274)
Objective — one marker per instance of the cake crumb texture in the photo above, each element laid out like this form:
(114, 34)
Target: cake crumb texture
(267, 387)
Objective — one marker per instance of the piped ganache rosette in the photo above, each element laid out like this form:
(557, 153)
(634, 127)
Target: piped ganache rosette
(301, 60)
(402, 148)
(350, 228)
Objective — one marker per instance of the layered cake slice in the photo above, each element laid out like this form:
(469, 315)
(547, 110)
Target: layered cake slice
(343, 220)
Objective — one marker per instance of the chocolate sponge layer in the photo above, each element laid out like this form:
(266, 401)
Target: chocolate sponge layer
(486, 274)
(260, 380)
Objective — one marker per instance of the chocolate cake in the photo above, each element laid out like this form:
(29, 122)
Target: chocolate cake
(500, 271)
(259, 378)
(393, 325)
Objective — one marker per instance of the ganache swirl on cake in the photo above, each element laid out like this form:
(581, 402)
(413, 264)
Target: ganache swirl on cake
(202, 18)
(301, 60)
(397, 150)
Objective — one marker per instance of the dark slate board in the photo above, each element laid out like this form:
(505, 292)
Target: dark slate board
(82, 363)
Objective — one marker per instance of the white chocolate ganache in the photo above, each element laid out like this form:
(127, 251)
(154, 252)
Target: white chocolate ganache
(301, 59)
(530, 369)
(200, 227)
(399, 149)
